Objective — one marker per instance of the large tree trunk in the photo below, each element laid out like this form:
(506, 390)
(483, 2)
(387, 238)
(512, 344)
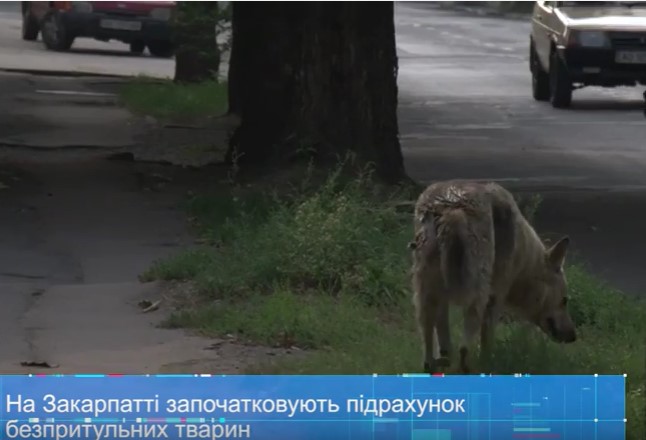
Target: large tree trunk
(326, 85)
(197, 56)
(239, 43)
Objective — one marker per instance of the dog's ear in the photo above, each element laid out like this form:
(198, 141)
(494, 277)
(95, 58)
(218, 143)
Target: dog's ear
(556, 254)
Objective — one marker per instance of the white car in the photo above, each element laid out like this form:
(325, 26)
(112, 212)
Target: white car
(580, 43)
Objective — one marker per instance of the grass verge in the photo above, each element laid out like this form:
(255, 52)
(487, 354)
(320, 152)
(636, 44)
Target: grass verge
(164, 99)
(327, 270)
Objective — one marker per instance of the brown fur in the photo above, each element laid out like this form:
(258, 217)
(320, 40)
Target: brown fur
(473, 248)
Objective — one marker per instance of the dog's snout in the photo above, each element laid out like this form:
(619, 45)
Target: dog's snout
(569, 336)
(563, 335)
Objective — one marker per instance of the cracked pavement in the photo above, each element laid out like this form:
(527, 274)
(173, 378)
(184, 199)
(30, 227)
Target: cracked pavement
(76, 230)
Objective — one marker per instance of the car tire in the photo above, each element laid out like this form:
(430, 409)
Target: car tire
(161, 49)
(54, 34)
(540, 78)
(137, 47)
(560, 83)
(30, 28)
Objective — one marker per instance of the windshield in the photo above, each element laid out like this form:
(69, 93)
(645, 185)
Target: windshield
(588, 4)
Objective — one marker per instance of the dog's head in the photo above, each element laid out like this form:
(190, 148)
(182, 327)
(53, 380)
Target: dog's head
(551, 314)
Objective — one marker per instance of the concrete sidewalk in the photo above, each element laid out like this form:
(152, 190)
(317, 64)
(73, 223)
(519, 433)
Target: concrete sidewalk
(77, 230)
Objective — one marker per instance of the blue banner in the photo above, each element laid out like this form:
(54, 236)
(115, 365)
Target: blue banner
(410, 407)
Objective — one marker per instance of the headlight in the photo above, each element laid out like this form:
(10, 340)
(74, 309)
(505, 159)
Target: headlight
(160, 14)
(589, 38)
(83, 7)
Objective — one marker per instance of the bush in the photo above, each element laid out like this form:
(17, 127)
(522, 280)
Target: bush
(335, 240)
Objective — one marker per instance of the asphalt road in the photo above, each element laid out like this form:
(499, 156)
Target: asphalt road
(466, 111)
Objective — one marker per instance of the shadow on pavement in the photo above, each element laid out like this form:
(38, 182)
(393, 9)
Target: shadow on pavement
(107, 52)
(607, 105)
(125, 53)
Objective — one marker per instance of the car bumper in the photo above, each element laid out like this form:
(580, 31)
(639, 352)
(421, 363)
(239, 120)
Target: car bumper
(598, 67)
(94, 25)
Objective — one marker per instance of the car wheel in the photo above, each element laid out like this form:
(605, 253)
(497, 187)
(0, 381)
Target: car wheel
(30, 28)
(540, 78)
(560, 83)
(137, 47)
(161, 49)
(54, 34)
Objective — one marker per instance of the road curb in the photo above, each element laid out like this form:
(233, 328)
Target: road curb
(64, 73)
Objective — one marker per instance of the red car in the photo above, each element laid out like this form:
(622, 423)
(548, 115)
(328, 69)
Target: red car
(139, 24)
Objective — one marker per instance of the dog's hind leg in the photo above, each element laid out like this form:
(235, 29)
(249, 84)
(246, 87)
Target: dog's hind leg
(474, 315)
(444, 335)
(427, 308)
(427, 318)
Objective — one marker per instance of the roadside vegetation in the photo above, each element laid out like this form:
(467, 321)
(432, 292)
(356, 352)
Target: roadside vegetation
(166, 100)
(325, 268)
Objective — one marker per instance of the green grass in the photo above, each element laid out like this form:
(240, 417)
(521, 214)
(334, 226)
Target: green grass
(164, 99)
(327, 271)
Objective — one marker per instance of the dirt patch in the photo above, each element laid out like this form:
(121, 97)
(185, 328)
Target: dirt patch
(193, 145)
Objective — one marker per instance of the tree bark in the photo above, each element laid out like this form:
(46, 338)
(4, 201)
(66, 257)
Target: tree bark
(236, 75)
(326, 85)
(197, 56)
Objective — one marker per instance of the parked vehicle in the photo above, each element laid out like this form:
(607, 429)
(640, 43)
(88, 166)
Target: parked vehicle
(585, 43)
(139, 24)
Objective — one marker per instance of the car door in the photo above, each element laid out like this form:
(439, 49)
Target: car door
(543, 29)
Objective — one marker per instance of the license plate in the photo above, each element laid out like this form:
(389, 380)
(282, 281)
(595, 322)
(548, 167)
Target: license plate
(631, 57)
(121, 25)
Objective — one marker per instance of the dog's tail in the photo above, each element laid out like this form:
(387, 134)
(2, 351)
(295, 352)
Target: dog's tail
(455, 254)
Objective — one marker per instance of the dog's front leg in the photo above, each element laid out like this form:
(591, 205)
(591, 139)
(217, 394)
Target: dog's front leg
(427, 319)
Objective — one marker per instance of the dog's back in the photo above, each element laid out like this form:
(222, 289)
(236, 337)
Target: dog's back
(460, 229)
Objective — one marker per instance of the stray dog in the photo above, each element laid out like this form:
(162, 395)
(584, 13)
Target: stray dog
(473, 248)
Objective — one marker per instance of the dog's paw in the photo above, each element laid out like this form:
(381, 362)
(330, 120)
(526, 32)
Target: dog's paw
(464, 366)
